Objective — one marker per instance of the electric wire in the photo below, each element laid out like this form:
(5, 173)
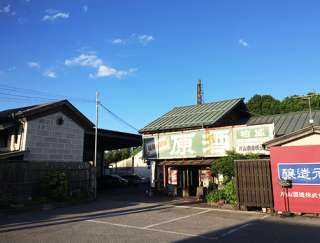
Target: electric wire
(35, 94)
(118, 117)
(11, 94)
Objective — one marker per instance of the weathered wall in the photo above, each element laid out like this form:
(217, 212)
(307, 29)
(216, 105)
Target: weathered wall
(21, 181)
(48, 141)
(309, 140)
(125, 166)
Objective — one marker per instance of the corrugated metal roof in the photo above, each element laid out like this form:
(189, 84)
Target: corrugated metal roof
(288, 122)
(192, 116)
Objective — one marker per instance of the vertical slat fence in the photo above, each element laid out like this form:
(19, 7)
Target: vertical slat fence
(253, 183)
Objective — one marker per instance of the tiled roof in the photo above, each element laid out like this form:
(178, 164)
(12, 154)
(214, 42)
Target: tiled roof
(288, 122)
(192, 116)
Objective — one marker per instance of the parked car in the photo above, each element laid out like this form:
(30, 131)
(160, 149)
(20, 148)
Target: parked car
(134, 179)
(108, 181)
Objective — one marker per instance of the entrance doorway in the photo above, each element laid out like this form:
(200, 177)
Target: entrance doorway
(188, 180)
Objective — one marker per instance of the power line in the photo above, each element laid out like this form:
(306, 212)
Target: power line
(37, 92)
(26, 96)
(118, 117)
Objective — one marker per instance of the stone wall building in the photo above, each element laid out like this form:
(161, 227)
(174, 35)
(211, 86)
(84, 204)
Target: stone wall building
(57, 132)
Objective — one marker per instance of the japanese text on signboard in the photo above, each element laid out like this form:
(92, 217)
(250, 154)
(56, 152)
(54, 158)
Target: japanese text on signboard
(303, 173)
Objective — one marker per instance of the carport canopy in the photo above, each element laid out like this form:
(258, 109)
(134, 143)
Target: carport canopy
(110, 140)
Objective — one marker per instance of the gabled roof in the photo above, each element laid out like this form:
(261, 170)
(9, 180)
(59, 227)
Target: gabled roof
(288, 122)
(304, 132)
(192, 116)
(31, 112)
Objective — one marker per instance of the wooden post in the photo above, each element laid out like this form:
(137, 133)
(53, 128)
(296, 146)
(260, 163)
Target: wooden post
(164, 176)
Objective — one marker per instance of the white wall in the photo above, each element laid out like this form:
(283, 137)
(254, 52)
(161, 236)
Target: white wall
(313, 139)
(48, 141)
(125, 166)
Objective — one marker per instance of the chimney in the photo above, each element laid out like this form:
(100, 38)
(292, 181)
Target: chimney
(199, 93)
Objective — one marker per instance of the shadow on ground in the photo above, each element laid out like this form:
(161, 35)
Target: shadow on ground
(274, 229)
(121, 201)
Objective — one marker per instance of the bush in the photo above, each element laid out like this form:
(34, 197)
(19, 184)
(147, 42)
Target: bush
(55, 185)
(227, 193)
(215, 196)
(230, 193)
(225, 165)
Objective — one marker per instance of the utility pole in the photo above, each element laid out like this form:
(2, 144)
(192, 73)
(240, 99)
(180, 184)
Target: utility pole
(308, 97)
(96, 146)
(310, 112)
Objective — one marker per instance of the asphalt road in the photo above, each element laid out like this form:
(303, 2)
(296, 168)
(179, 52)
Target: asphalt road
(115, 218)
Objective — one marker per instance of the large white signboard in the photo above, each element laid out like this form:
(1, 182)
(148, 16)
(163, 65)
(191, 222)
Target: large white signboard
(212, 142)
(249, 139)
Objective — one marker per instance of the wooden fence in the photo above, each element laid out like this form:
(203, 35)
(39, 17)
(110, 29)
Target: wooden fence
(253, 182)
(21, 180)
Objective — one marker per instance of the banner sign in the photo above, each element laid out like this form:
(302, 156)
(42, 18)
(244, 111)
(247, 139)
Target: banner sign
(189, 144)
(300, 174)
(212, 142)
(250, 139)
(300, 165)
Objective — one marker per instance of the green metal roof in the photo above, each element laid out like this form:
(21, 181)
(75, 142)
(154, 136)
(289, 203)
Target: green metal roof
(192, 116)
(288, 122)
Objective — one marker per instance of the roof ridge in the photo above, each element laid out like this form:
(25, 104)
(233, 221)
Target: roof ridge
(279, 114)
(193, 115)
(28, 107)
(213, 102)
(42, 105)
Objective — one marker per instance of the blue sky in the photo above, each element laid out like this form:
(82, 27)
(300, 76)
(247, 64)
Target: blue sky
(146, 56)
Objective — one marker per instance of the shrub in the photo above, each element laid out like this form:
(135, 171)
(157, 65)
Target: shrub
(227, 193)
(215, 196)
(225, 165)
(230, 193)
(55, 185)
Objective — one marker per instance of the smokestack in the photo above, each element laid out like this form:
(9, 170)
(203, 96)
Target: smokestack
(199, 93)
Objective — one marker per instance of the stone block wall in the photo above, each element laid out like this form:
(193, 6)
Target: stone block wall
(49, 139)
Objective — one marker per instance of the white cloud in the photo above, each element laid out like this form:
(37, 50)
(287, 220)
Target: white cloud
(118, 41)
(89, 60)
(102, 70)
(85, 8)
(33, 65)
(134, 38)
(52, 16)
(105, 71)
(243, 43)
(145, 39)
(50, 73)
(6, 9)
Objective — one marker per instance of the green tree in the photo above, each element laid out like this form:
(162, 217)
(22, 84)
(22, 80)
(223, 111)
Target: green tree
(296, 103)
(117, 155)
(263, 105)
(225, 165)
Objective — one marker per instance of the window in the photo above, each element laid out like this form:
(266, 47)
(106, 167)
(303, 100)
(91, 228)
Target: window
(59, 121)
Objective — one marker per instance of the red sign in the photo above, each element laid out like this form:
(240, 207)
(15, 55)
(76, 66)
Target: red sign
(173, 176)
(300, 165)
